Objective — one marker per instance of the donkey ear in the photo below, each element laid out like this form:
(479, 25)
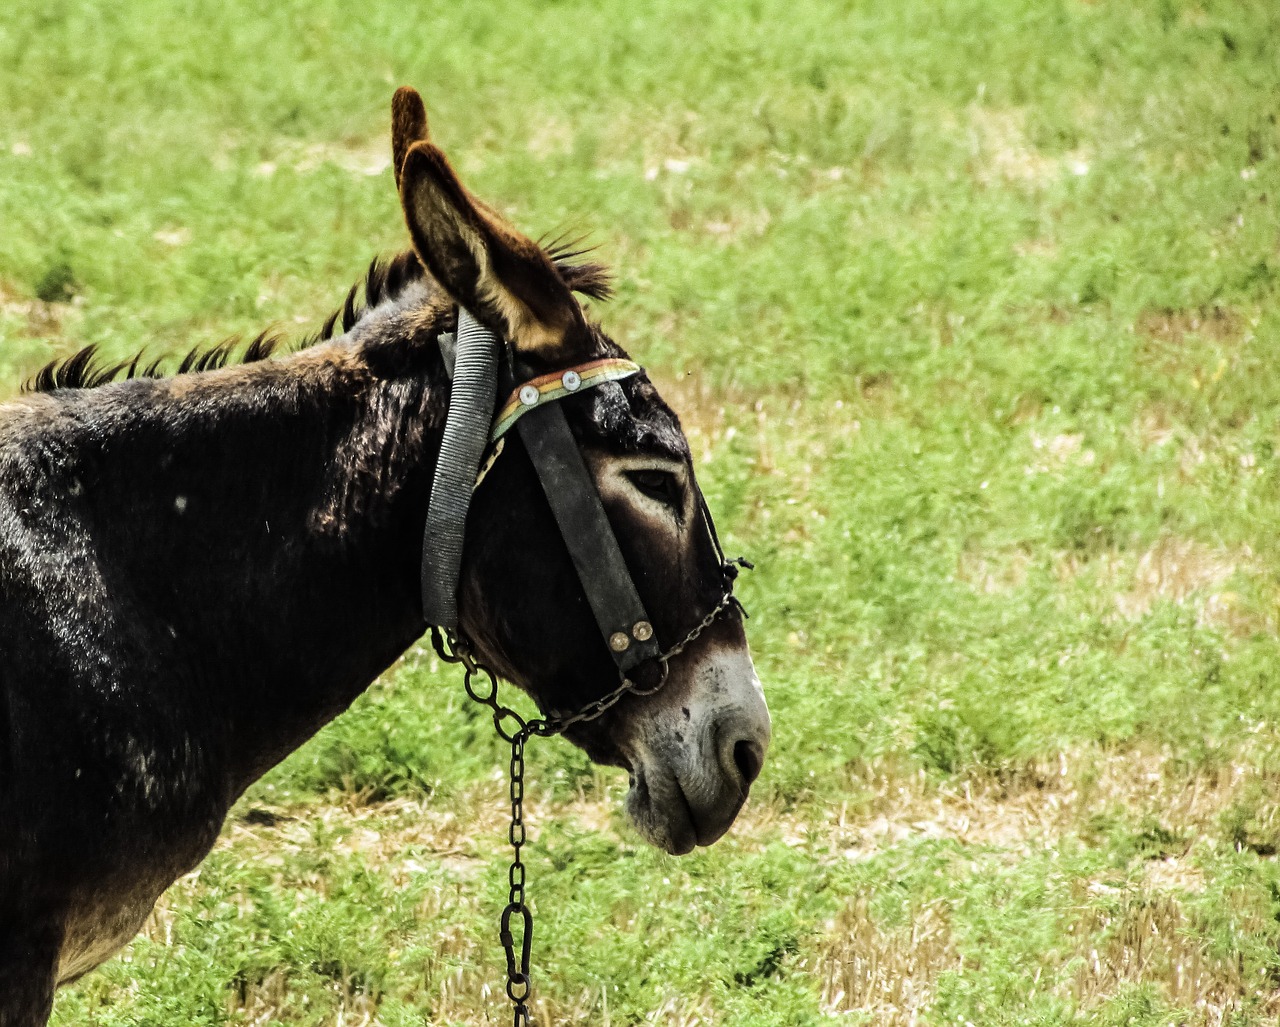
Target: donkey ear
(505, 279)
(408, 125)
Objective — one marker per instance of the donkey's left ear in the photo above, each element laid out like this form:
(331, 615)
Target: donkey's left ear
(408, 126)
(506, 280)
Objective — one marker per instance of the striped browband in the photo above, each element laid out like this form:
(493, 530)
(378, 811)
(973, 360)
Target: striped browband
(550, 387)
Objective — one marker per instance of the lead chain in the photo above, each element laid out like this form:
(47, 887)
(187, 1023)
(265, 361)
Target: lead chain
(482, 686)
(518, 980)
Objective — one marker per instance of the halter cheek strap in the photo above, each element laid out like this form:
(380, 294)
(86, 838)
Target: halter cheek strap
(593, 547)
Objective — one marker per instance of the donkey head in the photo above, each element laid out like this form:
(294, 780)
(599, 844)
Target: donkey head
(693, 747)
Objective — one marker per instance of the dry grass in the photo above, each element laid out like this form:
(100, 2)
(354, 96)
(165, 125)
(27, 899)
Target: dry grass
(885, 972)
(994, 576)
(1045, 802)
(36, 318)
(1056, 453)
(1135, 931)
(1002, 153)
(1174, 570)
(1034, 807)
(1168, 326)
(1197, 346)
(1180, 570)
(1146, 937)
(361, 157)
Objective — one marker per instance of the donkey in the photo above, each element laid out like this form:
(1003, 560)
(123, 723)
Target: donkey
(197, 572)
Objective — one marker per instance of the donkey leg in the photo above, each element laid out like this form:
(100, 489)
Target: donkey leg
(28, 971)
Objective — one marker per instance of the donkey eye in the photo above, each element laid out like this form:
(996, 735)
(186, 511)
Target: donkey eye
(658, 485)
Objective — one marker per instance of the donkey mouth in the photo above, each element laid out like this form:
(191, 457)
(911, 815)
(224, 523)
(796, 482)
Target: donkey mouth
(668, 824)
(668, 820)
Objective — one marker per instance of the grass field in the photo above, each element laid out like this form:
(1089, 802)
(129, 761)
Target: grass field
(970, 309)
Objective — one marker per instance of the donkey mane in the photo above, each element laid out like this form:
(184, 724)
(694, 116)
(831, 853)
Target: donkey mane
(384, 282)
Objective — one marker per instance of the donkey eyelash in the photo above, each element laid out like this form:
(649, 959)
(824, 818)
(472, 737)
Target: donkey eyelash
(659, 485)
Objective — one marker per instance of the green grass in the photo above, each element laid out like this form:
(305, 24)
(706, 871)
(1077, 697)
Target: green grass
(970, 310)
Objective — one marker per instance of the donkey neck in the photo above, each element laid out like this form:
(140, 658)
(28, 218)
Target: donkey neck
(264, 524)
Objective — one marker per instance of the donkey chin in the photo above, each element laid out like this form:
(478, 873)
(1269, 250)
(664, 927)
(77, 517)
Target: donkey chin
(694, 749)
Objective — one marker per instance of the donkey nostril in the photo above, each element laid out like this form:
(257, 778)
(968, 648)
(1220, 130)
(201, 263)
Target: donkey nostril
(749, 758)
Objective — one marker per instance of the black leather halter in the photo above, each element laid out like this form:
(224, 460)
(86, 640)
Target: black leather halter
(628, 633)
(571, 492)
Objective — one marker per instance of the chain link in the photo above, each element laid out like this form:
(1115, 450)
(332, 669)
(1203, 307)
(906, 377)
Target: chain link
(482, 686)
(558, 723)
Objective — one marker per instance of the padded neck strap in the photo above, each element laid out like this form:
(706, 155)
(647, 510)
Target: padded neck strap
(466, 428)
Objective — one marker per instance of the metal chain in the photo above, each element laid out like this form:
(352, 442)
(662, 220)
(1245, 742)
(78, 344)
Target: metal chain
(452, 647)
(482, 685)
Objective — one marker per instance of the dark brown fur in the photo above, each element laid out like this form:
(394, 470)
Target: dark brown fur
(199, 572)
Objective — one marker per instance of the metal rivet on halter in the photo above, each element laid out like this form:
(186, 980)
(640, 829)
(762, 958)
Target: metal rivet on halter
(529, 395)
(619, 642)
(643, 631)
(571, 380)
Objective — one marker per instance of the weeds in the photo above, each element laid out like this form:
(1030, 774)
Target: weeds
(969, 310)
